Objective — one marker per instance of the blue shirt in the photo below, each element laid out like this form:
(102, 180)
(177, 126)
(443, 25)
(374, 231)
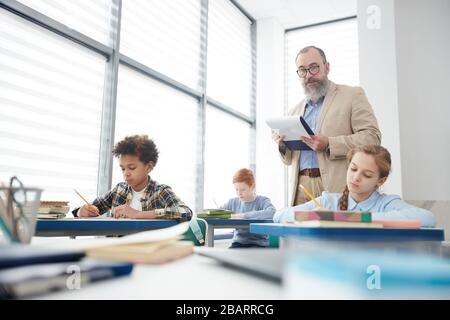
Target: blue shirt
(382, 207)
(308, 158)
(260, 208)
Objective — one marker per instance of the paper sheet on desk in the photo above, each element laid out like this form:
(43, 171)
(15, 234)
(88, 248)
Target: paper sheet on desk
(290, 127)
(136, 238)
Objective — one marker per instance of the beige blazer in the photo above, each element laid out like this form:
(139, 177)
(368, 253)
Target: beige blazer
(347, 119)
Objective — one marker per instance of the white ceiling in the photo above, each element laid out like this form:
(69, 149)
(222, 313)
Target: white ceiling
(296, 13)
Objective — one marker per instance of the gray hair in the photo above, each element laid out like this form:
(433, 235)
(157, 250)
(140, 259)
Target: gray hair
(306, 49)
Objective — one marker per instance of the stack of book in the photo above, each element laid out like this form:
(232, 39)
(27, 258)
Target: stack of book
(53, 209)
(215, 214)
(336, 219)
(172, 213)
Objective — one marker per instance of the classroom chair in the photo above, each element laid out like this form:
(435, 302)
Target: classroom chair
(196, 232)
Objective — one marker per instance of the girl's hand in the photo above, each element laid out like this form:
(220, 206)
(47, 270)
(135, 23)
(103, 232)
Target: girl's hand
(237, 215)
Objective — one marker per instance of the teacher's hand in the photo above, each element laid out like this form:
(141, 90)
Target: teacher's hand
(318, 142)
(277, 138)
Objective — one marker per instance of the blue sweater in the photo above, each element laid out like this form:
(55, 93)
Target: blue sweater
(260, 208)
(382, 206)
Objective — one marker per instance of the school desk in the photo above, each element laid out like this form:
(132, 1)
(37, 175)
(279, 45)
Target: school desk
(72, 227)
(292, 236)
(228, 223)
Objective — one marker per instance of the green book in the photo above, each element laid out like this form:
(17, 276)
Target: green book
(215, 214)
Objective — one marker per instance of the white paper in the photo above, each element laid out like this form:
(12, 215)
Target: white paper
(290, 127)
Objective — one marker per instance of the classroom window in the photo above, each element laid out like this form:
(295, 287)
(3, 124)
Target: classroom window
(91, 17)
(229, 76)
(169, 117)
(165, 36)
(339, 40)
(227, 150)
(61, 110)
(51, 92)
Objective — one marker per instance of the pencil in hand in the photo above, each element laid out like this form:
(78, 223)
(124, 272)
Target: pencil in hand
(216, 203)
(87, 203)
(82, 198)
(311, 196)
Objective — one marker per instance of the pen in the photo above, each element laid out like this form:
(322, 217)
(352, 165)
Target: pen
(311, 196)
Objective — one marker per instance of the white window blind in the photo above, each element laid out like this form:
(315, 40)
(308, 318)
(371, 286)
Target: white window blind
(169, 117)
(90, 17)
(339, 40)
(51, 93)
(229, 76)
(227, 150)
(165, 36)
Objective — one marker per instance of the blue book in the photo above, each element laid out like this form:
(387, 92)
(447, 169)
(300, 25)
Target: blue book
(17, 255)
(359, 272)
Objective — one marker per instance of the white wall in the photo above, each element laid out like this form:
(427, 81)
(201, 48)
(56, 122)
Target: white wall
(378, 77)
(410, 102)
(270, 97)
(423, 66)
(405, 70)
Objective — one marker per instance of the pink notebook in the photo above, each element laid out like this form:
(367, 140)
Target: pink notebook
(403, 224)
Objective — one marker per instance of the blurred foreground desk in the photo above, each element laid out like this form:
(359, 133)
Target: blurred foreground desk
(350, 234)
(228, 223)
(193, 277)
(72, 227)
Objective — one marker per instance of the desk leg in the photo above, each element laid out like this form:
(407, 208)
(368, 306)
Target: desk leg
(210, 236)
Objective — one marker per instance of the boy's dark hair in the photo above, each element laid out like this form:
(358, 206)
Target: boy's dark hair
(137, 145)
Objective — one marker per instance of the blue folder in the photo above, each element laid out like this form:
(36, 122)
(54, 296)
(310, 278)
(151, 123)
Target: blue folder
(298, 144)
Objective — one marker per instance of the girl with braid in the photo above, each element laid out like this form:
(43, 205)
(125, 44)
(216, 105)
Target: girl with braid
(368, 169)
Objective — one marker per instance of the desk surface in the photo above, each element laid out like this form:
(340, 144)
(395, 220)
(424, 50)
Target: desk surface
(359, 234)
(193, 277)
(228, 223)
(235, 222)
(98, 226)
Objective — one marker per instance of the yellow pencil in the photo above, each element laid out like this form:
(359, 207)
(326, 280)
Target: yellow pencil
(216, 203)
(311, 196)
(81, 197)
(98, 214)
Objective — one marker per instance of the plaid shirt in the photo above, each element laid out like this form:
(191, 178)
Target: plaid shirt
(155, 196)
